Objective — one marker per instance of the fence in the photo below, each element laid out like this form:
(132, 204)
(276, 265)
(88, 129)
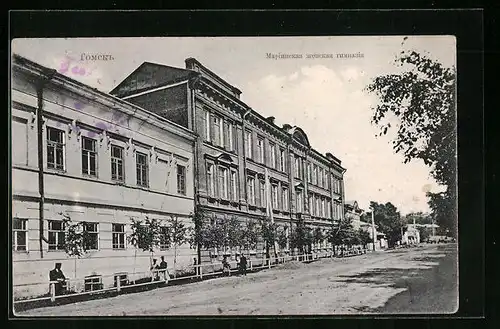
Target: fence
(122, 281)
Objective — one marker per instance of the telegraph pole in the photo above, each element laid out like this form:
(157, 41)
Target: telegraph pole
(373, 230)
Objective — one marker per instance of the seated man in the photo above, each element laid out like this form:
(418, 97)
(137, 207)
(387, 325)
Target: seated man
(226, 268)
(57, 275)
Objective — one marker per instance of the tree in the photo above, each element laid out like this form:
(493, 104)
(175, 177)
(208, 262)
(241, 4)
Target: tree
(422, 98)
(418, 217)
(364, 237)
(282, 239)
(249, 235)
(176, 235)
(145, 235)
(268, 231)
(76, 238)
(342, 233)
(301, 237)
(389, 221)
(318, 236)
(424, 233)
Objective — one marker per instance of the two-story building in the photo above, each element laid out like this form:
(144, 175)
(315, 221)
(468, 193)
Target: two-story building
(95, 158)
(237, 148)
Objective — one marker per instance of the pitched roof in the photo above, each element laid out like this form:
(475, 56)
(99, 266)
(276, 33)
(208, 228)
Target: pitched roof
(149, 76)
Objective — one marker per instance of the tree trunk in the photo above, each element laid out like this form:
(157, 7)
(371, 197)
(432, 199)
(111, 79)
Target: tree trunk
(75, 267)
(175, 258)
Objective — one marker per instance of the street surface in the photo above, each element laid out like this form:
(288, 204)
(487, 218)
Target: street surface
(422, 279)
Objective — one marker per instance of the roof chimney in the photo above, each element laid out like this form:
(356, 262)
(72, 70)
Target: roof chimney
(287, 127)
(270, 119)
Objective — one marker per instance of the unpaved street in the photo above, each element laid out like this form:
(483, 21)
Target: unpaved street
(355, 285)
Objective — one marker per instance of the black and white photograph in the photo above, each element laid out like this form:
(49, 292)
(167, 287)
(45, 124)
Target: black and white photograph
(234, 176)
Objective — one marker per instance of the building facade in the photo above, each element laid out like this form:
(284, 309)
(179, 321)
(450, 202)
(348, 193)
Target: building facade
(239, 153)
(104, 161)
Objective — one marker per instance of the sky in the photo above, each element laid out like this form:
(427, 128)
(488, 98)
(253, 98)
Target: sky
(323, 96)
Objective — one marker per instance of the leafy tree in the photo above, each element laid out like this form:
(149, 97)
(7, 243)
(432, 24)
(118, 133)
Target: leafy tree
(269, 234)
(249, 235)
(197, 233)
(342, 233)
(389, 221)
(364, 237)
(418, 217)
(76, 239)
(318, 236)
(145, 235)
(301, 237)
(177, 234)
(282, 239)
(231, 232)
(424, 233)
(422, 98)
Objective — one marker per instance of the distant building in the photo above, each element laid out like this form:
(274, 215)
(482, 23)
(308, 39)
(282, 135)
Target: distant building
(105, 161)
(236, 146)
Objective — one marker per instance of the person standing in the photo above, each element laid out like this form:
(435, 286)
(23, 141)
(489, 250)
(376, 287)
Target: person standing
(154, 270)
(57, 275)
(225, 266)
(243, 265)
(163, 269)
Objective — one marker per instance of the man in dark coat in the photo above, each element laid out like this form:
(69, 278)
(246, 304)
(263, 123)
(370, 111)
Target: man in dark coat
(163, 269)
(57, 275)
(243, 265)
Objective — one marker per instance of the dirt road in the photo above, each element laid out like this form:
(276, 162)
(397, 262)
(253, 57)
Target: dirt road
(355, 285)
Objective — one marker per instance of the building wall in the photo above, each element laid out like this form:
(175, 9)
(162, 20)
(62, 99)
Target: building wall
(92, 199)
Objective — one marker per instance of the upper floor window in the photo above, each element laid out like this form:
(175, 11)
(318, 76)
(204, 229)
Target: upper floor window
(315, 175)
(298, 167)
(118, 232)
(282, 160)
(234, 185)
(309, 172)
(142, 169)
(248, 144)
(223, 183)
(89, 157)
(262, 193)
(260, 149)
(311, 205)
(55, 149)
(20, 238)
(272, 153)
(57, 235)
(251, 189)
(274, 195)
(328, 209)
(210, 179)
(320, 177)
(181, 179)
(208, 131)
(284, 196)
(117, 163)
(299, 200)
(217, 131)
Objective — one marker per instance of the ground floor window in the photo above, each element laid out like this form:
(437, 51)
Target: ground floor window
(20, 232)
(118, 236)
(92, 241)
(56, 235)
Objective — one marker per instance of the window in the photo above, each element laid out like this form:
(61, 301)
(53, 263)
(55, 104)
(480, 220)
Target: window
(251, 189)
(20, 238)
(309, 172)
(296, 167)
(92, 243)
(311, 205)
(207, 126)
(19, 139)
(300, 201)
(234, 185)
(320, 177)
(282, 165)
(210, 179)
(315, 175)
(223, 183)
(328, 209)
(55, 148)
(117, 163)
(260, 149)
(248, 144)
(226, 135)
(274, 194)
(323, 210)
(181, 180)
(318, 206)
(164, 238)
(142, 169)
(217, 130)
(262, 193)
(272, 155)
(89, 157)
(284, 195)
(118, 231)
(56, 235)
